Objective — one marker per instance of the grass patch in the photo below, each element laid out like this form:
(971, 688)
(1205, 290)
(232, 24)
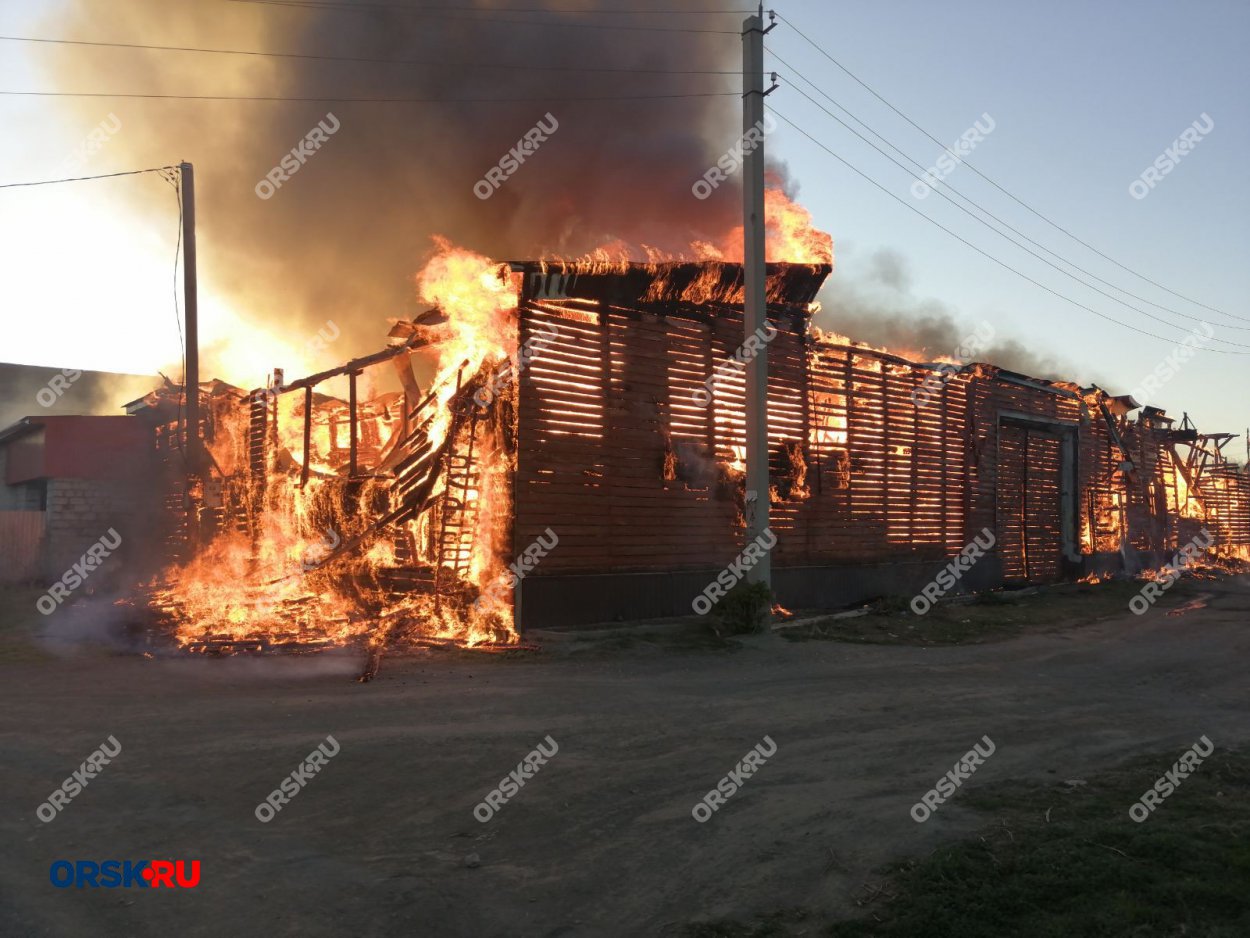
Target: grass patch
(991, 616)
(743, 610)
(1064, 861)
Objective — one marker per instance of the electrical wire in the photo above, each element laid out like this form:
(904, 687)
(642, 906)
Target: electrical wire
(983, 252)
(48, 182)
(946, 185)
(543, 10)
(802, 35)
(333, 100)
(366, 59)
(1018, 244)
(491, 19)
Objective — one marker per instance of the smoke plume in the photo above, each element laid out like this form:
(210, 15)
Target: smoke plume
(880, 308)
(341, 238)
(27, 391)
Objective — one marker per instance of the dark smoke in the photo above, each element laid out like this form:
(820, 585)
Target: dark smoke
(93, 392)
(880, 308)
(341, 239)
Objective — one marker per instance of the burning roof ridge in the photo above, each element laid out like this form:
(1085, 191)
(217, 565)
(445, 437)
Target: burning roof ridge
(607, 266)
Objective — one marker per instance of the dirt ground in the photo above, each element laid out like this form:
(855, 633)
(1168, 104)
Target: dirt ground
(601, 840)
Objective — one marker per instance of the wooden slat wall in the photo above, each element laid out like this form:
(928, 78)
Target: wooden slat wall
(600, 404)
(1102, 497)
(888, 475)
(1226, 491)
(1149, 526)
(595, 406)
(887, 479)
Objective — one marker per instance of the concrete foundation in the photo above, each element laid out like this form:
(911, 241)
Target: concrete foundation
(562, 601)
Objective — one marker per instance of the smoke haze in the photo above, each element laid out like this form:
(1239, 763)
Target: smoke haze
(880, 308)
(343, 236)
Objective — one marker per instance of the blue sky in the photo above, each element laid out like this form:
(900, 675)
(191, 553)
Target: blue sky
(1083, 97)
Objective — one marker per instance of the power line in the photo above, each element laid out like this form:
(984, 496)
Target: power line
(983, 252)
(491, 19)
(1015, 242)
(358, 59)
(48, 182)
(331, 100)
(1009, 195)
(544, 10)
(946, 185)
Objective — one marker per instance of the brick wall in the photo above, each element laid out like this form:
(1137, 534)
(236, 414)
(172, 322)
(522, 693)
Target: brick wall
(79, 513)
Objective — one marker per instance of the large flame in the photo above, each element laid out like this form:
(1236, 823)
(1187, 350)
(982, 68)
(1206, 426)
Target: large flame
(305, 562)
(790, 236)
(310, 560)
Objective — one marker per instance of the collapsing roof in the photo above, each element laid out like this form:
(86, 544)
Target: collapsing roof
(636, 284)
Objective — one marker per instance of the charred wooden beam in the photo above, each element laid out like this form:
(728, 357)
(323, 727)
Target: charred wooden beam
(352, 429)
(308, 408)
(1115, 432)
(355, 365)
(635, 284)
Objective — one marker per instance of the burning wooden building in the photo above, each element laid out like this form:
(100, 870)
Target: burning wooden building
(575, 454)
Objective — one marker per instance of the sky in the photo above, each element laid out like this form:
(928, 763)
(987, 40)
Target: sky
(1082, 98)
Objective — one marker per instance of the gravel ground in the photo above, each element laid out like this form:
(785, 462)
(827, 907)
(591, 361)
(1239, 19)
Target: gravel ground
(601, 839)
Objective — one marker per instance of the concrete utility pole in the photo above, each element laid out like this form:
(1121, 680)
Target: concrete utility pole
(191, 380)
(756, 311)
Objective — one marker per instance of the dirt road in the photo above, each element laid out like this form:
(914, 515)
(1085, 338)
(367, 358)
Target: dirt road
(600, 840)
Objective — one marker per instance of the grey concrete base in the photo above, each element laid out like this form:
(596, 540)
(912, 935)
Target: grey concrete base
(557, 601)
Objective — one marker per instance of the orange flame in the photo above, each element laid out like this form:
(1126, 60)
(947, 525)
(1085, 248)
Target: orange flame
(790, 236)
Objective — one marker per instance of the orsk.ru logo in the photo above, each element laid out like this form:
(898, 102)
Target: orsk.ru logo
(128, 874)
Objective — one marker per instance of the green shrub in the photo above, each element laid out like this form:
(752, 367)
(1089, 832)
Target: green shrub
(744, 608)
